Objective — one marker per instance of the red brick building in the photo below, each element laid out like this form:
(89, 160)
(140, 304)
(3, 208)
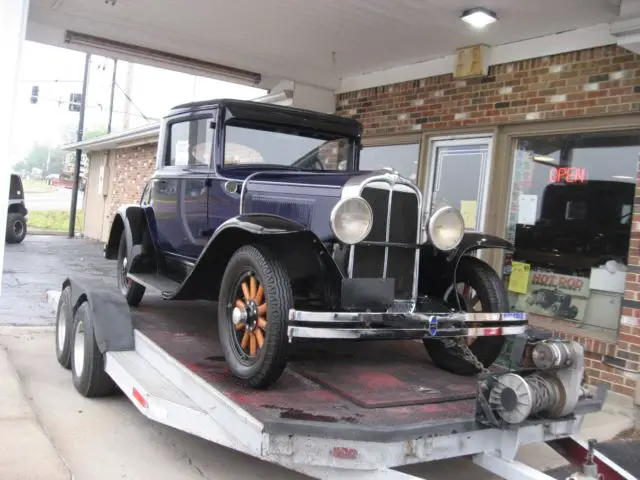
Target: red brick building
(536, 144)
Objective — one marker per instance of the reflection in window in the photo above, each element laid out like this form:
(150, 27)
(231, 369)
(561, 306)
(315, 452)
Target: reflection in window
(402, 158)
(250, 146)
(191, 143)
(570, 219)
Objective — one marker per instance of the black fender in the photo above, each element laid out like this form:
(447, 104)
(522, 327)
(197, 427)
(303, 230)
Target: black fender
(437, 268)
(131, 219)
(302, 252)
(110, 313)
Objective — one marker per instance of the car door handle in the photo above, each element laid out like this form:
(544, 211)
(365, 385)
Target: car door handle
(206, 233)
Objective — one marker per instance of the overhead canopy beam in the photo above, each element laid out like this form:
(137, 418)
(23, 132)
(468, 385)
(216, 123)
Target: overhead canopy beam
(112, 48)
(627, 29)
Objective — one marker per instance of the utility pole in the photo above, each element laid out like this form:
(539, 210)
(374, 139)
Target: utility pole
(113, 89)
(76, 173)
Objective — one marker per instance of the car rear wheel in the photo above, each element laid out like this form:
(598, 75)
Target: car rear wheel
(255, 298)
(131, 290)
(16, 228)
(479, 289)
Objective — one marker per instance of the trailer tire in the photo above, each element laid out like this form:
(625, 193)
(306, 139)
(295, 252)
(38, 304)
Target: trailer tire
(87, 362)
(64, 326)
(263, 367)
(16, 228)
(493, 297)
(131, 290)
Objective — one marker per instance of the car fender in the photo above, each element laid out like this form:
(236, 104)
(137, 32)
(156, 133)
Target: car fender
(290, 241)
(130, 219)
(445, 264)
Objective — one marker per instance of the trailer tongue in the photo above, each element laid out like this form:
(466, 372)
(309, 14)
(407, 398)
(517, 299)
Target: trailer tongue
(357, 413)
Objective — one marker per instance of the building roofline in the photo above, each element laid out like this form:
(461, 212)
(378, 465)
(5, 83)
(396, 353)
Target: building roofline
(116, 139)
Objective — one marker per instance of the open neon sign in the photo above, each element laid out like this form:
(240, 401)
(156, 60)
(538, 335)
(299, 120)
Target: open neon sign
(568, 175)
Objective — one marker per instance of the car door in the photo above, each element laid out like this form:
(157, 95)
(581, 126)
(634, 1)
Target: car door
(180, 189)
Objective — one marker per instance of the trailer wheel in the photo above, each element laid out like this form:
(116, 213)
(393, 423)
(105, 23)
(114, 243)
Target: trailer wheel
(87, 362)
(16, 228)
(480, 289)
(64, 326)
(255, 298)
(131, 290)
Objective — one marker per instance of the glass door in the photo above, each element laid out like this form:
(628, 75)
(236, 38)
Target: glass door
(459, 177)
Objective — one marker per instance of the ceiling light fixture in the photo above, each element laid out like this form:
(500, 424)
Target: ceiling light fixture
(479, 17)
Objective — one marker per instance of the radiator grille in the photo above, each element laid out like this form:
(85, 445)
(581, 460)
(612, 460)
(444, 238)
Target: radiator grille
(401, 227)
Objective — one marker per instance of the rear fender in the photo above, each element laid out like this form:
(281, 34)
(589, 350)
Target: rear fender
(132, 220)
(306, 259)
(437, 268)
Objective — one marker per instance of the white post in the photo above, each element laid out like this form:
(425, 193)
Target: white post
(13, 26)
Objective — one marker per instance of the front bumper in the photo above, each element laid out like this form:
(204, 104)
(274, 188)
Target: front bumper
(403, 325)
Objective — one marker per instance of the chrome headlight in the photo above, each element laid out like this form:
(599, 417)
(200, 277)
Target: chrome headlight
(446, 228)
(351, 220)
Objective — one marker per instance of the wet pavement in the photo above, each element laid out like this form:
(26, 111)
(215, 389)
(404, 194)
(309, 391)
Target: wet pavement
(41, 263)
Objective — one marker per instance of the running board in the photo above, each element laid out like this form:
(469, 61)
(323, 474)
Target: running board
(160, 400)
(164, 285)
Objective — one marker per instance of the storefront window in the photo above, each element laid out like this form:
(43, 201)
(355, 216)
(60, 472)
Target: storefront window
(402, 158)
(570, 219)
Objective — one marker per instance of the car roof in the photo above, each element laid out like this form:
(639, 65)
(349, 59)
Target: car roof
(286, 115)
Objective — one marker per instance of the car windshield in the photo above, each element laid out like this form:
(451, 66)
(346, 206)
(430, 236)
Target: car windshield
(252, 147)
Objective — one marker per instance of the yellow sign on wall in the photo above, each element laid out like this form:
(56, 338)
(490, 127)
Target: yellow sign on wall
(519, 279)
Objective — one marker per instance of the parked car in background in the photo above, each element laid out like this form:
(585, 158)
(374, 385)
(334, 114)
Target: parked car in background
(17, 213)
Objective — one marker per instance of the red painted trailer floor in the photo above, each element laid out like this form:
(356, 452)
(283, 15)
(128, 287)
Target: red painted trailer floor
(380, 386)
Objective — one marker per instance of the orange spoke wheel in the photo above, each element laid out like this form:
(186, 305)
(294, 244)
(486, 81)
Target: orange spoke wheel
(249, 315)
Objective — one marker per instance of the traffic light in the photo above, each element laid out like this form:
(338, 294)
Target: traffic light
(35, 91)
(75, 99)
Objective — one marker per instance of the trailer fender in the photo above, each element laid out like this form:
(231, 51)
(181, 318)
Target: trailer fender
(301, 251)
(109, 312)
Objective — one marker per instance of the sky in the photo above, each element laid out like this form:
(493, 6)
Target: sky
(58, 73)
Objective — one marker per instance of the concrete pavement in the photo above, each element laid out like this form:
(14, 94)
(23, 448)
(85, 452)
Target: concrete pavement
(21, 434)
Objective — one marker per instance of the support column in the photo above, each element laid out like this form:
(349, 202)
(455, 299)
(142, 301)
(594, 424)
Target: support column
(13, 27)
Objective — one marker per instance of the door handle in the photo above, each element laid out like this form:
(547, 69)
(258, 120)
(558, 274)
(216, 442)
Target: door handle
(206, 233)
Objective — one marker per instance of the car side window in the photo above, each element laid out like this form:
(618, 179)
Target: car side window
(191, 143)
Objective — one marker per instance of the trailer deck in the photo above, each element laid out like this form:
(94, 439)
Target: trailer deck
(364, 390)
(342, 409)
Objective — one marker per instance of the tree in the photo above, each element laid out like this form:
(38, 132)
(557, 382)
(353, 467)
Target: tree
(44, 157)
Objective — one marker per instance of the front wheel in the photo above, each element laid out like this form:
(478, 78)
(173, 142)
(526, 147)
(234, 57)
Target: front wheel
(255, 298)
(479, 289)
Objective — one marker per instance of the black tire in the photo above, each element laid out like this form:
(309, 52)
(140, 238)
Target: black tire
(265, 367)
(16, 228)
(493, 298)
(87, 362)
(131, 290)
(64, 326)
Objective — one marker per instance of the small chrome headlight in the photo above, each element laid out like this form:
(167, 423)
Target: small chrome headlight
(446, 228)
(351, 220)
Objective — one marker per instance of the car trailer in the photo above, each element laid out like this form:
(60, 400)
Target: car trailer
(362, 410)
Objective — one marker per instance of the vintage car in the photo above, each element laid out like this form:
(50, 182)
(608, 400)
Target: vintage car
(263, 209)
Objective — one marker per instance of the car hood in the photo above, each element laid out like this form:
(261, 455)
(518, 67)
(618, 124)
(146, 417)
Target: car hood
(305, 198)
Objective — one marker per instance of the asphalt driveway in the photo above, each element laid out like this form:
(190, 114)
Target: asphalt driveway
(42, 263)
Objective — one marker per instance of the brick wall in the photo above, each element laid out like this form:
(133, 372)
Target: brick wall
(129, 174)
(599, 81)
(593, 82)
